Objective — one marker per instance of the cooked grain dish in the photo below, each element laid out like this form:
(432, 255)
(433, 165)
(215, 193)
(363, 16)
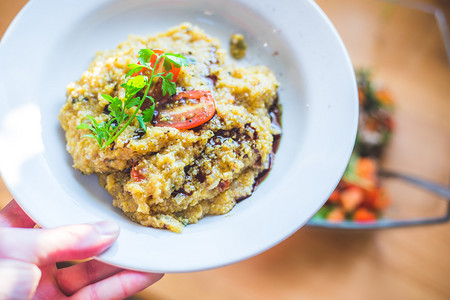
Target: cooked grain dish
(167, 177)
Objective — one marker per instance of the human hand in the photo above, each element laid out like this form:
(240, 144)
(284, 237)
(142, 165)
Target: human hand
(28, 257)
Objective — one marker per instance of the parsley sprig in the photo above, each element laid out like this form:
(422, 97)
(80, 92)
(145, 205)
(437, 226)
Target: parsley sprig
(121, 112)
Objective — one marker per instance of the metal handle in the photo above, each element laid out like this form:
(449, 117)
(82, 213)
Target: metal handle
(432, 187)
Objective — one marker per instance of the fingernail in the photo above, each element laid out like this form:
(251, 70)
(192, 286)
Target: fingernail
(107, 227)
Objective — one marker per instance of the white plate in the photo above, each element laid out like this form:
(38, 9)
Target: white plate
(50, 43)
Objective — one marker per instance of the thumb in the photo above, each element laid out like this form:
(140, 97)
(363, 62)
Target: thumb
(44, 246)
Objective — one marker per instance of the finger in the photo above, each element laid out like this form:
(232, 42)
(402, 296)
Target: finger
(44, 246)
(18, 280)
(73, 278)
(47, 288)
(119, 286)
(13, 216)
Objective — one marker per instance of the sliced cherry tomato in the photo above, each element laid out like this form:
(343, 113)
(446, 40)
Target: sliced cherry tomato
(160, 67)
(141, 72)
(185, 110)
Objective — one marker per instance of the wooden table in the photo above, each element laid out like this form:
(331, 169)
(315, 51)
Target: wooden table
(404, 49)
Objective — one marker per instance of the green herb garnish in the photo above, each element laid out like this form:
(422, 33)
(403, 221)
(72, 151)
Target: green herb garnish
(123, 112)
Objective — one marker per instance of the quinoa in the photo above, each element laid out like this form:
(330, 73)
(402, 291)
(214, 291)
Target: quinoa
(186, 174)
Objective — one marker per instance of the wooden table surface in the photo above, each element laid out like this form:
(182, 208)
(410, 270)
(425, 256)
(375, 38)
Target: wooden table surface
(404, 49)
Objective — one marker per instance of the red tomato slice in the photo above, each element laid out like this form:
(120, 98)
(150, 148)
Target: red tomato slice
(160, 67)
(185, 110)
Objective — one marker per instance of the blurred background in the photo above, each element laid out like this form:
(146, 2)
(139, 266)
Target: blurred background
(404, 49)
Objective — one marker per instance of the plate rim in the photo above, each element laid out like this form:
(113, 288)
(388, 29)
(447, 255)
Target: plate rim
(10, 31)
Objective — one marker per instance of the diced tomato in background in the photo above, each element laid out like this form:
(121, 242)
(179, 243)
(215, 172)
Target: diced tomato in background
(351, 198)
(336, 215)
(334, 197)
(364, 215)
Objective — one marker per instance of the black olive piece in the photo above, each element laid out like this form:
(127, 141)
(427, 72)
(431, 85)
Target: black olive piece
(139, 133)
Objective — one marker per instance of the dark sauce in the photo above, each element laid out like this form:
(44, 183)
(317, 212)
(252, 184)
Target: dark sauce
(213, 78)
(80, 99)
(106, 109)
(201, 177)
(138, 133)
(239, 135)
(275, 116)
(181, 191)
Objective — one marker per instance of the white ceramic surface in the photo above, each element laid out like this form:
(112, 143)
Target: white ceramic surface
(50, 43)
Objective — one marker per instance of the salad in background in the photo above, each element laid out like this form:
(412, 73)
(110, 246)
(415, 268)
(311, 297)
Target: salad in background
(360, 196)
